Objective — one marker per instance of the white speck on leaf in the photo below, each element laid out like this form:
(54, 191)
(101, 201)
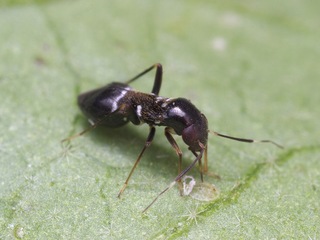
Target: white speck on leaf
(219, 44)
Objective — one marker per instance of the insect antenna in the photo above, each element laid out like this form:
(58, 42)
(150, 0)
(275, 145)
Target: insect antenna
(246, 139)
(156, 198)
(198, 157)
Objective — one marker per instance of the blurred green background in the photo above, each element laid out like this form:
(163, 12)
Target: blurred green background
(251, 67)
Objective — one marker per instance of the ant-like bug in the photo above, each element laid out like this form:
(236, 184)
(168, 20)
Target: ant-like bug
(116, 104)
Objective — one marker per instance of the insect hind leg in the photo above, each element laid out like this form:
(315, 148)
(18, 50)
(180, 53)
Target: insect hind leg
(91, 127)
(157, 80)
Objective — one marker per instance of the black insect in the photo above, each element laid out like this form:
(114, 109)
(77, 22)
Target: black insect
(116, 104)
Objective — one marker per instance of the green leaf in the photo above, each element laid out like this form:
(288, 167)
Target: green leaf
(252, 69)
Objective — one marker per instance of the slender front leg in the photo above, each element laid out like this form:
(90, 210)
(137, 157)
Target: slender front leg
(157, 80)
(178, 152)
(175, 147)
(147, 144)
(205, 169)
(200, 163)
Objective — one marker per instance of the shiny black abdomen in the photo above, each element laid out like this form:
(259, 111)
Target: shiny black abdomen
(105, 101)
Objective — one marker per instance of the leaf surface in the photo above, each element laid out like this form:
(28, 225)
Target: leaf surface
(252, 69)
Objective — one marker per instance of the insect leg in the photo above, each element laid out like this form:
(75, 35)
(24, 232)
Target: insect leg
(177, 149)
(147, 144)
(157, 80)
(200, 164)
(91, 127)
(178, 178)
(205, 169)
